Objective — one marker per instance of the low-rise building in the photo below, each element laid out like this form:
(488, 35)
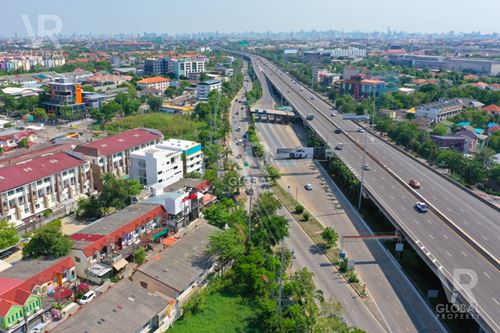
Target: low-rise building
(10, 138)
(204, 88)
(156, 82)
(112, 153)
(104, 245)
(27, 287)
(156, 165)
(182, 267)
(100, 79)
(492, 109)
(124, 307)
(29, 187)
(192, 154)
(443, 109)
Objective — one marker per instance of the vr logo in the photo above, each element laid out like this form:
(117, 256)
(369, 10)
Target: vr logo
(48, 27)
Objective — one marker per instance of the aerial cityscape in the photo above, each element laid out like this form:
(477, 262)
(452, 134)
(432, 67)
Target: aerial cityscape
(246, 167)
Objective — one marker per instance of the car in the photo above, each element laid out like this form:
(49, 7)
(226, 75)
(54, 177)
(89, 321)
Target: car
(8, 252)
(421, 207)
(294, 255)
(238, 129)
(361, 130)
(38, 328)
(298, 154)
(333, 114)
(308, 187)
(310, 116)
(338, 131)
(366, 167)
(237, 113)
(243, 108)
(254, 180)
(87, 297)
(339, 146)
(414, 183)
(312, 98)
(301, 89)
(73, 126)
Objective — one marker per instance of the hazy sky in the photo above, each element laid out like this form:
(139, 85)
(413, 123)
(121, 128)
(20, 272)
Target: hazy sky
(179, 16)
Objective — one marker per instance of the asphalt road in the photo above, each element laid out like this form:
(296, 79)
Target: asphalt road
(326, 278)
(446, 249)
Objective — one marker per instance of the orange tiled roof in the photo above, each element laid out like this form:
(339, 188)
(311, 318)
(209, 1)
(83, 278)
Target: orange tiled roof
(492, 108)
(151, 80)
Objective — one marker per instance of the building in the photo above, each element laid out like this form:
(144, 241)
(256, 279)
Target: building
(156, 82)
(29, 288)
(359, 87)
(182, 267)
(492, 109)
(30, 187)
(349, 52)
(443, 109)
(103, 246)
(204, 88)
(478, 66)
(449, 142)
(153, 165)
(124, 307)
(100, 79)
(112, 153)
(184, 66)
(192, 155)
(10, 138)
(64, 93)
(154, 67)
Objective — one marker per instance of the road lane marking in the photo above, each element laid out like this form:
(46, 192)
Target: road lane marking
(493, 298)
(444, 235)
(416, 222)
(465, 254)
(448, 253)
(486, 275)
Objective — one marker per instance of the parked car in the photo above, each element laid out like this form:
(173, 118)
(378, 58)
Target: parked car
(87, 297)
(310, 116)
(421, 207)
(366, 167)
(8, 252)
(338, 131)
(312, 98)
(414, 183)
(333, 114)
(308, 187)
(249, 191)
(360, 130)
(38, 328)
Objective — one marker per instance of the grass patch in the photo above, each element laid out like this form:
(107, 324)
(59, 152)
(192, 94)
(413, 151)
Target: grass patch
(225, 313)
(170, 125)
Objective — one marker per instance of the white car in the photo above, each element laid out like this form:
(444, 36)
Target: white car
(298, 154)
(421, 207)
(308, 187)
(87, 298)
(38, 328)
(360, 130)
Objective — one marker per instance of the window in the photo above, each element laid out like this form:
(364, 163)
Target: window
(77, 259)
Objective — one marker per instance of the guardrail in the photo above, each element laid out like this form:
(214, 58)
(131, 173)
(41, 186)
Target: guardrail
(438, 213)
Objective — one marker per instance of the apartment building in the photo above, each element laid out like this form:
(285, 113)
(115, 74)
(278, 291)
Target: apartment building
(443, 109)
(156, 166)
(192, 155)
(203, 89)
(112, 154)
(29, 187)
(184, 66)
(156, 82)
(104, 246)
(155, 66)
(64, 92)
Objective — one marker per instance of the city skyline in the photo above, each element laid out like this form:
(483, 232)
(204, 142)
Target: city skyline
(226, 16)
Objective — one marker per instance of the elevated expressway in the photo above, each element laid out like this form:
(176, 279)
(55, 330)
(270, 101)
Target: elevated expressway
(459, 238)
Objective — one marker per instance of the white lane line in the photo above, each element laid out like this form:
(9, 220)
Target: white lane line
(493, 298)
(429, 221)
(448, 253)
(465, 254)
(444, 235)
(484, 237)
(486, 274)
(416, 222)
(432, 237)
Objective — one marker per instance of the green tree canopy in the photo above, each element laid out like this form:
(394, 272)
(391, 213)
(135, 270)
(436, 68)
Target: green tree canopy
(8, 234)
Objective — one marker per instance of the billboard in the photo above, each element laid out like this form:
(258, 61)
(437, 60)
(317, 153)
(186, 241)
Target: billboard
(294, 153)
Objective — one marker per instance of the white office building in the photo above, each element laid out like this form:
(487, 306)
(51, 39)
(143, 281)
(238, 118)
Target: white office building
(185, 66)
(204, 88)
(192, 154)
(154, 165)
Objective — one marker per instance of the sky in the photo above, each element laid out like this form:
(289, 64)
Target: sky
(191, 16)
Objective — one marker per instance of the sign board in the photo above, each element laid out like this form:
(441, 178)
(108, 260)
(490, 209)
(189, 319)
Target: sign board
(243, 43)
(399, 247)
(353, 116)
(294, 153)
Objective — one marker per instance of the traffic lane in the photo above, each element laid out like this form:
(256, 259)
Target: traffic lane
(491, 244)
(400, 311)
(328, 279)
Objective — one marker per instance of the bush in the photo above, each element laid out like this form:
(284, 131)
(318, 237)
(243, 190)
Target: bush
(196, 304)
(306, 216)
(343, 265)
(299, 209)
(352, 277)
(47, 212)
(140, 256)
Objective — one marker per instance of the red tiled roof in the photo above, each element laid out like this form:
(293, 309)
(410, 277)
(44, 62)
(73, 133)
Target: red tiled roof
(151, 80)
(22, 173)
(492, 108)
(119, 142)
(5, 307)
(21, 296)
(494, 129)
(7, 284)
(50, 273)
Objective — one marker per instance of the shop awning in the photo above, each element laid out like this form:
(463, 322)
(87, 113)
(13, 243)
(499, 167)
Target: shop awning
(99, 269)
(120, 264)
(159, 234)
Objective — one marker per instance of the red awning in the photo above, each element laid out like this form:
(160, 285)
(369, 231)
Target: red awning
(62, 293)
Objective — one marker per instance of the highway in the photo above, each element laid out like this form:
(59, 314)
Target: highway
(442, 246)
(355, 311)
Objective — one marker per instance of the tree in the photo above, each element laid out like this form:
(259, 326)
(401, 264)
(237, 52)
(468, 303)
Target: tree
(439, 129)
(8, 234)
(299, 209)
(117, 192)
(48, 242)
(89, 207)
(274, 174)
(330, 236)
(154, 102)
(140, 256)
(306, 216)
(39, 114)
(24, 142)
(227, 245)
